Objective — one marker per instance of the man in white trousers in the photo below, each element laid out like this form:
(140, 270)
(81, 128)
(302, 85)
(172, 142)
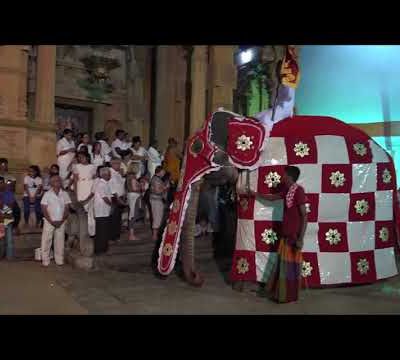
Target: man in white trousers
(55, 208)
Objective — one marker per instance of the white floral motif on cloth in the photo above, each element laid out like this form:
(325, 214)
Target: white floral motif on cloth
(363, 266)
(167, 250)
(290, 195)
(301, 149)
(269, 236)
(386, 176)
(306, 269)
(273, 179)
(308, 208)
(333, 236)
(337, 179)
(360, 149)
(361, 207)
(244, 143)
(384, 234)
(242, 266)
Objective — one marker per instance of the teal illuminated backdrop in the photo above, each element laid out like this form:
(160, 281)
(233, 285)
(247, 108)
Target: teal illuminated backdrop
(351, 83)
(346, 81)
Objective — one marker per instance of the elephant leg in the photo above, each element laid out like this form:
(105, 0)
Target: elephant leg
(187, 246)
(238, 286)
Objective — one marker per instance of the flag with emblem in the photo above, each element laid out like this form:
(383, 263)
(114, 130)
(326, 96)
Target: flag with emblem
(290, 71)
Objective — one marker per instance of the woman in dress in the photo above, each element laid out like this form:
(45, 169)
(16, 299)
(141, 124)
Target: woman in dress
(134, 199)
(33, 186)
(158, 190)
(85, 142)
(98, 159)
(139, 155)
(84, 174)
(65, 153)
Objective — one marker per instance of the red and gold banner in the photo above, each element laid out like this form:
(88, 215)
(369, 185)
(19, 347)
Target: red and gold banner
(290, 71)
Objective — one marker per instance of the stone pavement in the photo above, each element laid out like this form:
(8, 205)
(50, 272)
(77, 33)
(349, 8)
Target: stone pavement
(27, 288)
(31, 289)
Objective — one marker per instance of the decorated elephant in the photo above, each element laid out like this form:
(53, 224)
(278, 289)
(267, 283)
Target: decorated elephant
(349, 181)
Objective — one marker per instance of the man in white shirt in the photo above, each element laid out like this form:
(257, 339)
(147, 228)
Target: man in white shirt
(139, 155)
(118, 145)
(154, 158)
(102, 210)
(127, 142)
(55, 208)
(65, 153)
(117, 185)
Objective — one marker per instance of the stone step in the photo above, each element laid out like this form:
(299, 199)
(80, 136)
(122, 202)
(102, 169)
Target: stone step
(148, 246)
(133, 256)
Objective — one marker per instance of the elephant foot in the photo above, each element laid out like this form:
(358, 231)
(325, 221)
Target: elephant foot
(238, 286)
(160, 276)
(194, 279)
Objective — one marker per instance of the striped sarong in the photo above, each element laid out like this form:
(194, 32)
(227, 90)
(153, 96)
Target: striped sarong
(284, 274)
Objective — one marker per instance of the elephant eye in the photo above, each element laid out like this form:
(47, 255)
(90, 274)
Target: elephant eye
(197, 146)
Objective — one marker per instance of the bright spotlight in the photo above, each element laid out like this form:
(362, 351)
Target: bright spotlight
(246, 56)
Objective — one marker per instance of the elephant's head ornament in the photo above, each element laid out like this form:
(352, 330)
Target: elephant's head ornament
(226, 142)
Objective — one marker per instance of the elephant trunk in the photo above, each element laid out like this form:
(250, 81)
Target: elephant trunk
(188, 232)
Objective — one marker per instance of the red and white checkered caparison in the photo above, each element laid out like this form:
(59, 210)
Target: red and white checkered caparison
(350, 184)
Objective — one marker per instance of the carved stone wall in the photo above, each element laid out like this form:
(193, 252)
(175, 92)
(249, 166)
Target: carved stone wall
(125, 103)
(70, 71)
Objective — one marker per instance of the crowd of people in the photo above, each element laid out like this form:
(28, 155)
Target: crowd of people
(89, 193)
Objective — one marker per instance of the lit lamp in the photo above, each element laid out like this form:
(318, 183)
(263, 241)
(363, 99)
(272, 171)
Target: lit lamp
(246, 56)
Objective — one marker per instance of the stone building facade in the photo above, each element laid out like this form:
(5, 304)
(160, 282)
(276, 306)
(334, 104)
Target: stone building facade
(151, 91)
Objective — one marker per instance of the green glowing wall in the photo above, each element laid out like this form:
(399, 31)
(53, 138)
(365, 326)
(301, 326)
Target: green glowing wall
(254, 98)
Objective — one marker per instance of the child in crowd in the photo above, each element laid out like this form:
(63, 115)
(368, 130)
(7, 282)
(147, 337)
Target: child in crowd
(6, 234)
(134, 199)
(126, 161)
(33, 186)
(144, 182)
(47, 173)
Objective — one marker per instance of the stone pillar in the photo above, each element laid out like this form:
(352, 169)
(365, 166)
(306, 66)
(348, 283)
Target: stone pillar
(199, 86)
(13, 82)
(170, 95)
(41, 141)
(222, 77)
(179, 88)
(13, 97)
(45, 84)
